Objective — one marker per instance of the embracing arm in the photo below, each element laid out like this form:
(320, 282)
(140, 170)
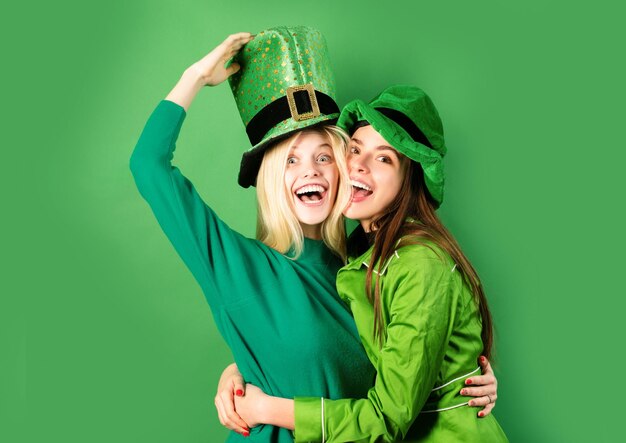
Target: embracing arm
(421, 314)
(257, 407)
(418, 329)
(420, 317)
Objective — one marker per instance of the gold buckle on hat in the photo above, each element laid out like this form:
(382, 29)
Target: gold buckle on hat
(315, 109)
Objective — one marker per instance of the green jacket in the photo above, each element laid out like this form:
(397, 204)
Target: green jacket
(432, 343)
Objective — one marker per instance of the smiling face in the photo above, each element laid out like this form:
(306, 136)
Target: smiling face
(376, 173)
(311, 178)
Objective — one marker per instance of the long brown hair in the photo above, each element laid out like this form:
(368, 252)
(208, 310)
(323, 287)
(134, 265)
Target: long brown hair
(412, 213)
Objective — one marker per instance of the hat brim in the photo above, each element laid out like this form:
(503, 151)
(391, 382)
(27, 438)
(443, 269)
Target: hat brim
(430, 160)
(251, 160)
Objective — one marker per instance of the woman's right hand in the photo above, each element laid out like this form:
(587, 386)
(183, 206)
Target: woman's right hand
(231, 383)
(210, 70)
(212, 67)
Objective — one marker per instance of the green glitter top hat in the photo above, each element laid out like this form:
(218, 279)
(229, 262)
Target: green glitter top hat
(285, 84)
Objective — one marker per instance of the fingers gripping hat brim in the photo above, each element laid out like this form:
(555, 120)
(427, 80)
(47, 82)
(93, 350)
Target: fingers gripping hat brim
(430, 159)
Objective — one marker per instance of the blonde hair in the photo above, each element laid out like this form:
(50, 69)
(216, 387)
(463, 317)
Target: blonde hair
(277, 224)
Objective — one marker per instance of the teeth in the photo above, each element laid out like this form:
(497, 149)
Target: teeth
(360, 185)
(310, 188)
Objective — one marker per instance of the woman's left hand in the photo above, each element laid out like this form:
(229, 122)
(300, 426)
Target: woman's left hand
(485, 389)
(231, 384)
(250, 406)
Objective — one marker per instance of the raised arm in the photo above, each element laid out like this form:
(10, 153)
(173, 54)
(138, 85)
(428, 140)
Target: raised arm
(208, 246)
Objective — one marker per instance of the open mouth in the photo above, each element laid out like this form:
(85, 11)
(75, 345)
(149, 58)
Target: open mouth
(360, 190)
(311, 194)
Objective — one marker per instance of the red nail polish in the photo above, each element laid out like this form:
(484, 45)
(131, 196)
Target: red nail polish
(238, 392)
(468, 381)
(483, 359)
(246, 434)
(480, 414)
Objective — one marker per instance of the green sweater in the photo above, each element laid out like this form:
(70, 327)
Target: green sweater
(432, 343)
(289, 332)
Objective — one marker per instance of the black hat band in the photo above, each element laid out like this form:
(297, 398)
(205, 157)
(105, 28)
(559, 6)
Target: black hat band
(405, 123)
(280, 110)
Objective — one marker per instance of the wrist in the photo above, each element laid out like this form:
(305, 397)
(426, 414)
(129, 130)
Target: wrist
(264, 410)
(187, 88)
(194, 75)
(277, 411)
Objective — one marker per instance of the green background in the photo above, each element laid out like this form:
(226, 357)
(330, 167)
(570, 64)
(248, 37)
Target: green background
(106, 337)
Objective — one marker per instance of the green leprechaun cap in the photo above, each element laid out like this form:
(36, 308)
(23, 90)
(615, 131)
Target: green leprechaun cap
(285, 84)
(407, 118)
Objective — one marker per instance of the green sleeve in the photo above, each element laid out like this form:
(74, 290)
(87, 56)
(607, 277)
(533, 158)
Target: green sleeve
(420, 301)
(219, 258)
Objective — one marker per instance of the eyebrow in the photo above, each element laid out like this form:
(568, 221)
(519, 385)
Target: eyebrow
(359, 142)
(327, 145)
(378, 148)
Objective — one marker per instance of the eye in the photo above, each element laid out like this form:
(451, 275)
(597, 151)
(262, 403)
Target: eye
(324, 158)
(384, 159)
(354, 150)
(291, 160)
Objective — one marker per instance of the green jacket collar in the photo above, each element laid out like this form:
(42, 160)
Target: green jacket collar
(363, 261)
(356, 263)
